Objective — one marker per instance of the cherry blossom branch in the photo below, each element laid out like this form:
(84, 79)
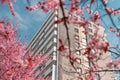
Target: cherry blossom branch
(12, 64)
(103, 70)
(114, 52)
(67, 32)
(104, 5)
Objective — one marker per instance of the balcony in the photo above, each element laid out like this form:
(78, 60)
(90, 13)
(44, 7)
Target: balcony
(45, 67)
(48, 72)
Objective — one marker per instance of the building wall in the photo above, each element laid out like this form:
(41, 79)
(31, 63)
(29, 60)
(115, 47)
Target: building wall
(66, 70)
(59, 67)
(45, 41)
(78, 41)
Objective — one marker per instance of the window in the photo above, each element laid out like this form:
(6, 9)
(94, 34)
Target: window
(78, 52)
(89, 36)
(77, 44)
(83, 46)
(44, 50)
(54, 40)
(49, 75)
(41, 67)
(79, 70)
(97, 76)
(76, 37)
(80, 78)
(33, 46)
(79, 61)
(54, 48)
(89, 25)
(117, 72)
(94, 26)
(90, 30)
(83, 41)
(76, 30)
(55, 32)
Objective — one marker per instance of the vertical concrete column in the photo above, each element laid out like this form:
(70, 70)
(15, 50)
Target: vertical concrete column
(53, 72)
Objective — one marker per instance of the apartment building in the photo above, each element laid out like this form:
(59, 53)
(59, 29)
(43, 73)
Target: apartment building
(58, 67)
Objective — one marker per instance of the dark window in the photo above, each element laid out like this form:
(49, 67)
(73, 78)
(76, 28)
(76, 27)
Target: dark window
(79, 70)
(80, 78)
(76, 30)
(76, 37)
(79, 61)
(97, 76)
(77, 52)
(77, 44)
(90, 30)
(44, 50)
(90, 25)
(89, 36)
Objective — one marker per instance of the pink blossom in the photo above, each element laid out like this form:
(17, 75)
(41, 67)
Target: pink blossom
(90, 76)
(3, 1)
(92, 1)
(10, 5)
(87, 6)
(76, 20)
(96, 15)
(32, 8)
(105, 1)
(13, 63)
(46, 5)
(115, 63)
(75, 9)
(90, 11)
(61, 47)
(118, 11)
(111, 11)
(96, 45)
(118, 34)
(111, 29)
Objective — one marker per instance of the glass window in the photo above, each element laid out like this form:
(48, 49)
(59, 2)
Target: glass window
(89, 25)
(77, 44)
(76, 30)
(90, 30)
(89, 36)
(79, 61)
(76, 37)
(80, 78)
(83, 41)
(78, 52)
(97, 76)
(55, 49)
(44, 50)
(55, 32)
(33, 46)
(79, 70)
(54, 40)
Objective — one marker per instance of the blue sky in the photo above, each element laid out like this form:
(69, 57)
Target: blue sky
(29, 22)
(111, 36)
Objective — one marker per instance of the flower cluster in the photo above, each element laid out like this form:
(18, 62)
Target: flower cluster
(14, 64)
(10, 5)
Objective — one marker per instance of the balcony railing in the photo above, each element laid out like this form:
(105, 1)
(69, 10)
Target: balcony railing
(47, 66)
